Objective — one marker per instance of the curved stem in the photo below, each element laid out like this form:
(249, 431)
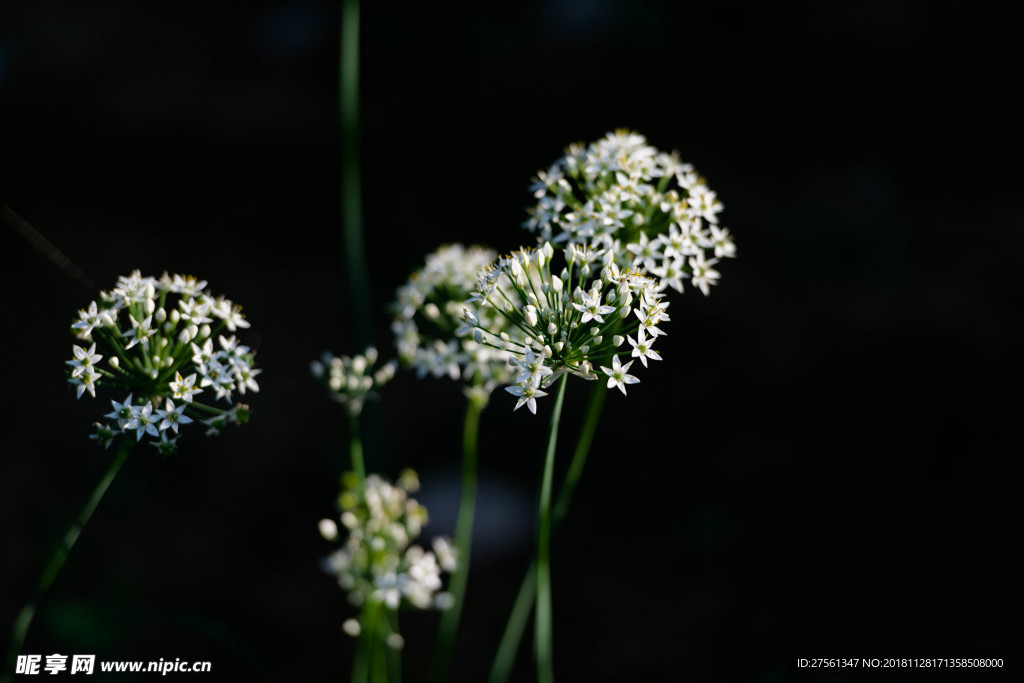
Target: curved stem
(542, 629)
(53, 567)
(516, 626)
(463, 540)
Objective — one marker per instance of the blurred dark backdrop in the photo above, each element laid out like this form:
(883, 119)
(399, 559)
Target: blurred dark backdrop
(823, 465)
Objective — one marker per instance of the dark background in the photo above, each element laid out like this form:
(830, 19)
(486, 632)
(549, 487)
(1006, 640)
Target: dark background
(824, 465)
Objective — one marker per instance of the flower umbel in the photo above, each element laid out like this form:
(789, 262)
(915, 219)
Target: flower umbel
(429, 313)
(551, 331)
(378, 561)
(157, 336)
(653, 211)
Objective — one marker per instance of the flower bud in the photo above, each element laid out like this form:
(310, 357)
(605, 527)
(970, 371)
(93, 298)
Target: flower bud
(328, 529)
(351, 627)
(531, 315)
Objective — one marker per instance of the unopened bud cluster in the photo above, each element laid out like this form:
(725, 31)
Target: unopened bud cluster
(352, 380)
(157, 336)
(378, 560)
(650, 209)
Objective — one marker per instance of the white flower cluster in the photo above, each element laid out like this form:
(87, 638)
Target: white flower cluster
(427, 313)
(378, 560)
(157, 335)
(568, 322)
(650, 209)
(351, 380)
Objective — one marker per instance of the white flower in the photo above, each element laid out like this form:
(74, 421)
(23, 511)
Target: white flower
(83, 360)
(527, 393)
(703, 274)
(90, 318)
(446, 554)
(592, 308)
(103, 435)
(642, 348)
(184, 388)
(171, 417)
(141, 331)
(723, 243)
(86, 381)
(531, 366)
(142, 422)
(617, 376)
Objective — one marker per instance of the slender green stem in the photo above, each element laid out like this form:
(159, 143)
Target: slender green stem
(378, 647)
(394, 653)
(542, 629)
(53, 567)
(513, 635)
(517, 621)
(463, 540)
(579, 457)
(355, 449)
(351, 191)
(361, 660)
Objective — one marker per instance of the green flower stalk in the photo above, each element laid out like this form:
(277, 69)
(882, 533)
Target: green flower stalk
(427, 323)
(644, 210)
(351, 381)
